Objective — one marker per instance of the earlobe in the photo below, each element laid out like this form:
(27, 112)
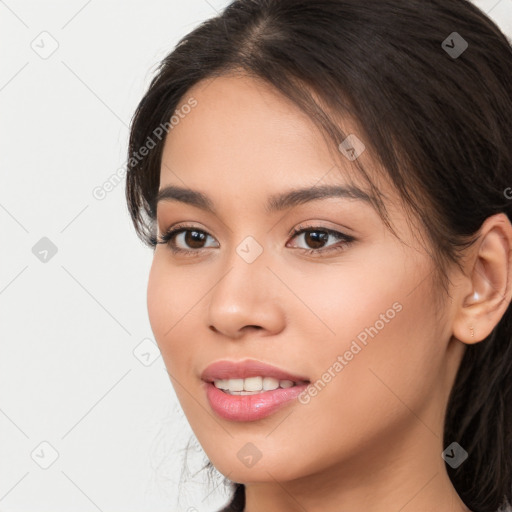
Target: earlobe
(489, 275)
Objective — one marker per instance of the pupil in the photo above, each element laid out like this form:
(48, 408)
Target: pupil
(192, 237)
(322, 235)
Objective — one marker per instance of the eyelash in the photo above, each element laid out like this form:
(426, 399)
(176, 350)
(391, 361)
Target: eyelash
(168, 237)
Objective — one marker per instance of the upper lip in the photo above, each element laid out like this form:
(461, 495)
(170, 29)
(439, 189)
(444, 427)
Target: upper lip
(220, 370)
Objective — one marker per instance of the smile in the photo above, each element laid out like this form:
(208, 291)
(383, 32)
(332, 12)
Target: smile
(249, 390)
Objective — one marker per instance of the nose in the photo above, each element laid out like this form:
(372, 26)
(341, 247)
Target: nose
(246, 299)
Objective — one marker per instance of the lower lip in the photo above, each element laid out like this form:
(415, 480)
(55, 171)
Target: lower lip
(250, 407)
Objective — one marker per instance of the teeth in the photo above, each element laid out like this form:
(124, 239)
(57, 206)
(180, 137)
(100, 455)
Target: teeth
(270, 383)
(251, 385)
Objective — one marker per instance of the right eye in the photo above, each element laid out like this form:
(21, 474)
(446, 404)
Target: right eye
(190, 237)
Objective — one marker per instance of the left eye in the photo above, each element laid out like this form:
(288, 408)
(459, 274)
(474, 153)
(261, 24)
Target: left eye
(317, 237)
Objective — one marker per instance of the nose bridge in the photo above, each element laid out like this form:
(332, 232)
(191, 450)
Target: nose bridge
(245, 271)
(241, 296)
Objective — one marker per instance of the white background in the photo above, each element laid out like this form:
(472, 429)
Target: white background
(71, 327)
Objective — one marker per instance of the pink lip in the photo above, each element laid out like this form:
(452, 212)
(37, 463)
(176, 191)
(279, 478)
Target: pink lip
(248, 407)
(248, 368)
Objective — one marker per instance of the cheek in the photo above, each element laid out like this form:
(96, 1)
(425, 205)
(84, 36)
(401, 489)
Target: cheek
(175, 304)
(367, 404)
(168, 303)
(158, 294)
(169, 296)
(366, 291)
(383, 325)
(391, 352)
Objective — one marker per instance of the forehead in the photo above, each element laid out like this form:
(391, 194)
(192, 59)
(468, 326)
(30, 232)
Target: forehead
(239, 120)
(243, 126)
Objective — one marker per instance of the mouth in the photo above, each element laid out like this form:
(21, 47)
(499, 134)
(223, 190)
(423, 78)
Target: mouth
(249, 390)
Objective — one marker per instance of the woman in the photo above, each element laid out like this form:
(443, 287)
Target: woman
(326, 186)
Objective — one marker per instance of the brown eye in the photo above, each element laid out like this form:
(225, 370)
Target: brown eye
(316, 238)
(185, 239)
(194, 239)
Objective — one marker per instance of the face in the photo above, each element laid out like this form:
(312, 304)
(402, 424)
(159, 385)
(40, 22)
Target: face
(343, 304)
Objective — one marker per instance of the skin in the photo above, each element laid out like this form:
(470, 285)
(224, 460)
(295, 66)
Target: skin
(372, 437)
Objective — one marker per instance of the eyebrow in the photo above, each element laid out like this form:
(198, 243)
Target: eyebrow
(275, 203)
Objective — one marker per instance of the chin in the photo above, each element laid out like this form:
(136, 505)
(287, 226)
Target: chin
(247, 466)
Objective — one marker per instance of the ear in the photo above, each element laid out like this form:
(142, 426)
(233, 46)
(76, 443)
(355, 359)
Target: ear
(486, 289)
